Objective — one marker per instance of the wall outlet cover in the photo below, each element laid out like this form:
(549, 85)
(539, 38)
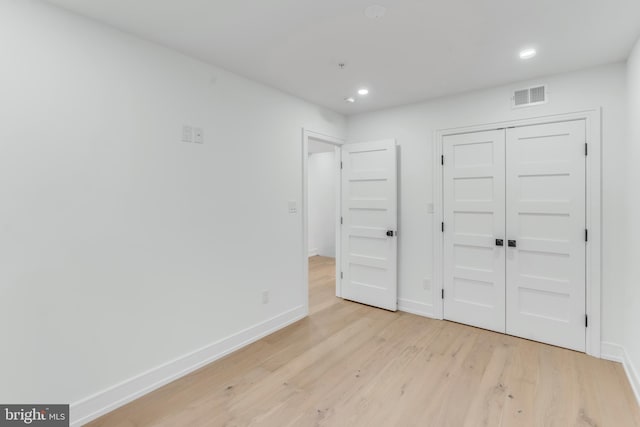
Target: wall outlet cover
(198, 135)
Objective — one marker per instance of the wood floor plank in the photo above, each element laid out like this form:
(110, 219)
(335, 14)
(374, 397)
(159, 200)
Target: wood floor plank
(348, 364)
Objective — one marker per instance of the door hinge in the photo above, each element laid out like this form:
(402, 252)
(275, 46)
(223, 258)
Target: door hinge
(442, 227)
(443, 294)
(341, 220)
(340, 165)
(586, 235)
(442, 160)
(586, 321)
(341, 275)
(586, 149)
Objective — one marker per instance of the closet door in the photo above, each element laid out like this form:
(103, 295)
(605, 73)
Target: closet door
(545, 220)
(474, 209)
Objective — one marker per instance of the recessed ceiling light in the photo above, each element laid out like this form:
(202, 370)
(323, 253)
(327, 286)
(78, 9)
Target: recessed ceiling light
(363, 91)
(350, 100)
(375, 11)
(527, 53)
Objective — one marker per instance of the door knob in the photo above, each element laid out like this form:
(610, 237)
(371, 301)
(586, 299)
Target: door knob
(512, 243)
(499, 242)
(390, 233)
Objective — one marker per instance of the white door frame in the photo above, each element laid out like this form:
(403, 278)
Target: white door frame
(337, 143)
(592, 118)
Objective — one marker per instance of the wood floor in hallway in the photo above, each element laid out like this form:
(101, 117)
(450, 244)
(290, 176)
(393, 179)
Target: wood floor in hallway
(352, 365)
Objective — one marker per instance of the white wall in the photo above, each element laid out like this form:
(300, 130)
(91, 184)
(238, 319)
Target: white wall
(631, 241)
(322, 204)
(413, 127)
(122, 248)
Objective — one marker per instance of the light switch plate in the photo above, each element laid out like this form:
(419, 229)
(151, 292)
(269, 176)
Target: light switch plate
(187, 133)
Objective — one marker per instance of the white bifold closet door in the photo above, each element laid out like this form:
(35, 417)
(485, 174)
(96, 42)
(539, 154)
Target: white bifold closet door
(369, 229)
(546, 221)
(474, 209)
(514, 231)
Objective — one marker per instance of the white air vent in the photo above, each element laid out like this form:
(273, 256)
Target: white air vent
(529, 96)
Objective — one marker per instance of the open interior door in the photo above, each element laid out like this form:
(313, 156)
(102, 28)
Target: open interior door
(369, 224)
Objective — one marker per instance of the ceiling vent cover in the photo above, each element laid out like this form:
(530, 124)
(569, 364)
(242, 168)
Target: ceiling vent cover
(527, 97)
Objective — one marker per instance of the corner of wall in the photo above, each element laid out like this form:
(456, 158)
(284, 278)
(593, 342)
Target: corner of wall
(617, 353)
(629, 352)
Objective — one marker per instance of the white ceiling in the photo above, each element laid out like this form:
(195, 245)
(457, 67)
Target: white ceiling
(420, 49)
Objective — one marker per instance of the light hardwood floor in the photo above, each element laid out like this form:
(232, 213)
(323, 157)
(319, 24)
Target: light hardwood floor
(352, 365)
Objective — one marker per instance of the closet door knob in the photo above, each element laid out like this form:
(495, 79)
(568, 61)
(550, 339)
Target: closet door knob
(512, 243)
(499, 242)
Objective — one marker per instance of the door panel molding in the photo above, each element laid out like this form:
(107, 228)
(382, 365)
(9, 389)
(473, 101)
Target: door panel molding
(370, 223)
(593, 271)
(545, 187)
(474, 208)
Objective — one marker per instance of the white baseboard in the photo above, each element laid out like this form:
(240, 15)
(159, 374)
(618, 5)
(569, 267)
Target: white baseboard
(613, 352)
(415, 307)
(618, 353)
(313, 252)
(92, 407)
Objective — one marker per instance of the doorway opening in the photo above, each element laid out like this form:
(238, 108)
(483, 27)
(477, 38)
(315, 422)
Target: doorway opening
(321, 219)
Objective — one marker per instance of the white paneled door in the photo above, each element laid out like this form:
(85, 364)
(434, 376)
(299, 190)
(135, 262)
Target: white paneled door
(546, 254)
(369, 229)
(514, 231)
(474, 209)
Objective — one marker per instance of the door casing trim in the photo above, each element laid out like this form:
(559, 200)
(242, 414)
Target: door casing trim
(337, 143)
(593, 120)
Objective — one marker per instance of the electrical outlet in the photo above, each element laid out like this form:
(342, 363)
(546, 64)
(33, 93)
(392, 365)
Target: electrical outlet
(198, 136)
(293, 207)
(265, 297)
